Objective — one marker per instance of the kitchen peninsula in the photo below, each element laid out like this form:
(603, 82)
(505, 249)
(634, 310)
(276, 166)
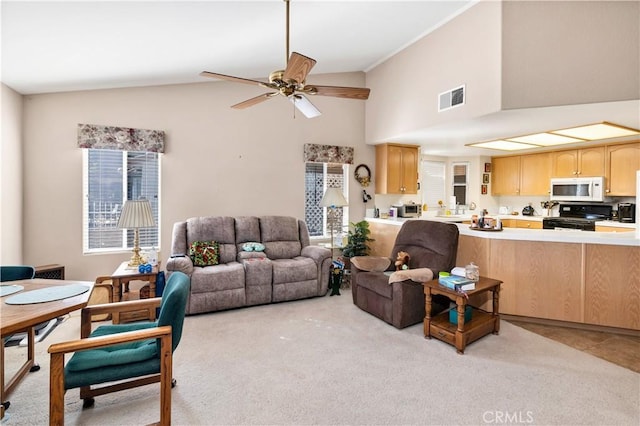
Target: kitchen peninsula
(578, 277)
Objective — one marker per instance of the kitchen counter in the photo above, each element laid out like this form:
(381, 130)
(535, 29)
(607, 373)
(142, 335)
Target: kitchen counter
(575, 277)
(522, 234)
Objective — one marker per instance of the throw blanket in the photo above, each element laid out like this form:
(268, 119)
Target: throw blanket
(418, 275)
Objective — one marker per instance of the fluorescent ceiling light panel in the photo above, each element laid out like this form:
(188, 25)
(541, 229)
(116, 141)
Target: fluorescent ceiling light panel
(589, 132)
(545, 139)
(597, 131)
(503, 145)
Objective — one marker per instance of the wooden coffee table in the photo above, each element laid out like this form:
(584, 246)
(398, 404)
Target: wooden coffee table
(481, 324)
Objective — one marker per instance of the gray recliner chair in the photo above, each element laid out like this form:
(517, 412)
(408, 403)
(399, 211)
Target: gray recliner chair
(431, 245)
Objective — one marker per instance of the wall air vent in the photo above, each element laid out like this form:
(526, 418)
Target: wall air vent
(451, 98)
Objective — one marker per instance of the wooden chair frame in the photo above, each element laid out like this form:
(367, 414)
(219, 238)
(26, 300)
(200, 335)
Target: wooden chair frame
(58, 351)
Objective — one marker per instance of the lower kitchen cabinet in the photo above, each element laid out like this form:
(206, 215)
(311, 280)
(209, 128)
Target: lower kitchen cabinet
(612, 286)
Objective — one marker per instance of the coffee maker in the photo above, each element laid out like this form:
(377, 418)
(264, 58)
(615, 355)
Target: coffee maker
(627, 212)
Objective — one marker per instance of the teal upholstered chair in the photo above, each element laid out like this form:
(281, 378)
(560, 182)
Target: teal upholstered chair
(140, 353)
(18, 272)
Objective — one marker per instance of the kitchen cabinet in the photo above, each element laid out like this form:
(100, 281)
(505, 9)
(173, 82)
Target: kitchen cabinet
(612, 286)
(528, 224)
(521, 174)
(506, 175)
(396, 169)
(622, 161)
(578, 162)
(535, 172)
(603, 228)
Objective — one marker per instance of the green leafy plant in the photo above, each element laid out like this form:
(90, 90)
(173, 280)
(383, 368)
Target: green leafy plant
(357, 240)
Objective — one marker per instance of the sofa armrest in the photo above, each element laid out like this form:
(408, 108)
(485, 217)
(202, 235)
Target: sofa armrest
(317, 253)
(183, 264)
(371, 263)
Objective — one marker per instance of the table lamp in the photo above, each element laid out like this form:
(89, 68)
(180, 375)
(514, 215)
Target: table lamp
(136, 214)
(332, 199)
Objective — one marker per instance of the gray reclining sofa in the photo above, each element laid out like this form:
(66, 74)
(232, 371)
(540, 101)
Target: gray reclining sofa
(288, 268)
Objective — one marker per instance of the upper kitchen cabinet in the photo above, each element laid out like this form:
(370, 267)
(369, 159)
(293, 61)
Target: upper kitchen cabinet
(396, 169)
(535, 173)
(622, 161)
(578, 162)
(506, 175)
(521, 174)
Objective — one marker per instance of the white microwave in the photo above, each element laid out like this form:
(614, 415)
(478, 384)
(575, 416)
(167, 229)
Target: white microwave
(577, 189)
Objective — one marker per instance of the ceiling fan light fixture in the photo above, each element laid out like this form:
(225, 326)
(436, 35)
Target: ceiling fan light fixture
(305, 106)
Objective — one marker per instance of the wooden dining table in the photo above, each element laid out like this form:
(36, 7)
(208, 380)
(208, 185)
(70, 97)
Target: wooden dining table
(25, 317)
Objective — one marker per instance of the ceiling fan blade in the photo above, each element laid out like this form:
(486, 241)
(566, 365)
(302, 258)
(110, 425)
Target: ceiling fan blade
(305, 106)
(298, 67)
(231, 78)
(339, 92)
(254, 101)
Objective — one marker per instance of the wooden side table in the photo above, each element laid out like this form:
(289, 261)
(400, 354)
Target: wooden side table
(481, 324)
(120, 286)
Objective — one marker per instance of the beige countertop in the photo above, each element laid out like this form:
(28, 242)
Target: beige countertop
(551, 235)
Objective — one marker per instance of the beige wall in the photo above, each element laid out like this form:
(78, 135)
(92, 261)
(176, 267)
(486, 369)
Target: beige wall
(218, 161)
(569, 52)
(11, 178)
(405, 88)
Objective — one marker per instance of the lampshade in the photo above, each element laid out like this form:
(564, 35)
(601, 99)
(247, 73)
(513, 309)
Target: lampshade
(333, 198)
(136, 214)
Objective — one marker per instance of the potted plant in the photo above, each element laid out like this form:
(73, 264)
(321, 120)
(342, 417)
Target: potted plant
(357, 241)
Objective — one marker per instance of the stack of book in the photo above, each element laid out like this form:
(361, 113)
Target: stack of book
(457, 283)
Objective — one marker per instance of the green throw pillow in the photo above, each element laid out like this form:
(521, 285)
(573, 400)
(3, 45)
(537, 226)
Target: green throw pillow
(204, 253)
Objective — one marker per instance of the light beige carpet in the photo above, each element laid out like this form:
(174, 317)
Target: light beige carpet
(324, 361)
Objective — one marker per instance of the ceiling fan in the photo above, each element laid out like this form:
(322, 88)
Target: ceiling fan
(291, 83)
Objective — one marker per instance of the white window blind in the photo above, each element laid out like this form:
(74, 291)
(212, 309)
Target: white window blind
(433, 183)
(111, 177)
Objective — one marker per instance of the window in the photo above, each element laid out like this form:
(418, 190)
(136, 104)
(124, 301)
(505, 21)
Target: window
(460, 182)
(318, 177)
(433, 187)
(110, 177)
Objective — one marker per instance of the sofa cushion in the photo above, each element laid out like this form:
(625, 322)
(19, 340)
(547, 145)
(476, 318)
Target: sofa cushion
(247, 229)
(204, 253)
(294, 270)
(219, 277)
(280, 236)
(220, 229)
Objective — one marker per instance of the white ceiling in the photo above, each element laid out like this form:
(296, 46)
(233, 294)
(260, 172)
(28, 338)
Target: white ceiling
(76, 45)
(52, 46)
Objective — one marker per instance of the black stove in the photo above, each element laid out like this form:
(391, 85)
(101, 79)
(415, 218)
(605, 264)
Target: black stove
(581, 217)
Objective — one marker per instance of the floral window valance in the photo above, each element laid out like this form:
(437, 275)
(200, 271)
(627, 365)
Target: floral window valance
(314, 153)
(120, 138)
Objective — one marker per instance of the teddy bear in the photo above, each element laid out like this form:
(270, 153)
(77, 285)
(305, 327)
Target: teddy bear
(402, 260)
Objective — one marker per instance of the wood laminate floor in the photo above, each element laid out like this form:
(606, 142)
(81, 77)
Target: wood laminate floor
(620, 349)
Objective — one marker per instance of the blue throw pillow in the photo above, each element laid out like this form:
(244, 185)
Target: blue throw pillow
(252, 246)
